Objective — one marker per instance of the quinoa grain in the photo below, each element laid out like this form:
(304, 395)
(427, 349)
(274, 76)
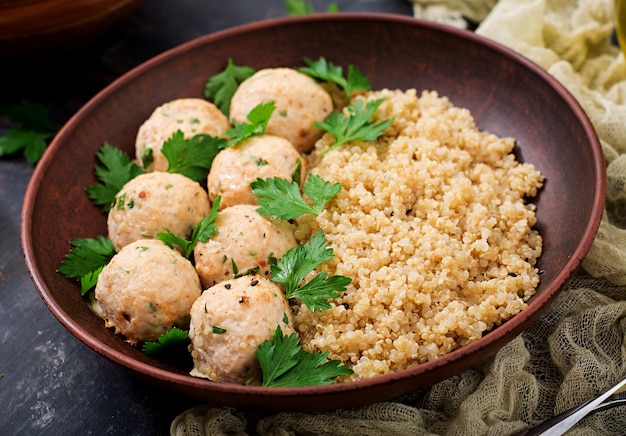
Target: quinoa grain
(434, 229)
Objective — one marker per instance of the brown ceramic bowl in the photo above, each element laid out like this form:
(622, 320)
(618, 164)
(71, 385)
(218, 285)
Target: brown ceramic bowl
(44, 27)
(507, 94)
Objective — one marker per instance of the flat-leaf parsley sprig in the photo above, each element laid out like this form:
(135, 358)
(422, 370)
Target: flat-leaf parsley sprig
(291, 270)
(304, 7)
(202, 231)
(285, 364)
(221, 87)
(321, 69)
(258, 118)
(116, 170)
(281, 198)
(357, 125)
(29, 133)
(192, 157)
(86, 259)
(171, 340)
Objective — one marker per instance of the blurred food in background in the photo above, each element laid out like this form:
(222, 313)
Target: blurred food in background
(46, 27)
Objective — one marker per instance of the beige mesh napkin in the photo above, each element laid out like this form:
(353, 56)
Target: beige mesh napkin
(577, 349)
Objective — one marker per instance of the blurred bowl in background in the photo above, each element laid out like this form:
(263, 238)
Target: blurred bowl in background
(31, 28)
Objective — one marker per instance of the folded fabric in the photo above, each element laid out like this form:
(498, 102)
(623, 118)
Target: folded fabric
(457, 13)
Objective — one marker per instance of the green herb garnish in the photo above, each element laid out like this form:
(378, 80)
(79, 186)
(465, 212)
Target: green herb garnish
(90, 280)
(327, 71)
(221, 87)
(172, 339)
(147, 157)
(281, 198)
(356, 126)
(202, 231)
(86, 259)
(218, 330)
(31, 129)
(192, 157)
(291, 269)
(258, 119)
(296, 173)
(285, 364)
(117, 169)
(303, 7)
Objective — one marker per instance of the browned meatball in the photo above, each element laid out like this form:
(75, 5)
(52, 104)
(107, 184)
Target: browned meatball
(261, 157)
(152, 201)
(147, 289)
(228, 323)
(189, 115)
(299, 100)
(243, 240)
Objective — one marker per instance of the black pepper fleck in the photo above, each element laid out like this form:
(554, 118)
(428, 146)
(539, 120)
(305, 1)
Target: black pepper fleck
(346, 305)
(512, 274)
(227, 285)
(254, 282)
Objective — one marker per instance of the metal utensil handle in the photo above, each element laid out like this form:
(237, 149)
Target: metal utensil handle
(562, 422)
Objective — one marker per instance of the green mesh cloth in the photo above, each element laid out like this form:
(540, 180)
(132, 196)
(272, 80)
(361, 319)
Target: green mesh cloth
(577, 349)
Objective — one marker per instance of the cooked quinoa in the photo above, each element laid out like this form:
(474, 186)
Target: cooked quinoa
(434, 228)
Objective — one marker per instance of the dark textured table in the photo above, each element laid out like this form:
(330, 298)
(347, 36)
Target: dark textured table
(51, 383)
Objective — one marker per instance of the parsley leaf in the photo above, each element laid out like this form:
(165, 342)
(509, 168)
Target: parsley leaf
(281, 198)
(285, 364)
(218, 330)
(173, 338)
(320, 191)
(329, 72)
(90, 280)
(86, 259)
(116, 171)
(202, 231)
(258, 117)
(30, 131)
(332, 7)
(356, 126)
(192, 157)
(356, 81)
(298, 7)
(32, 116)
(303, 7)
(296, 173)
(315, 293)
(291, 269)
(221, 87)
(32, 144)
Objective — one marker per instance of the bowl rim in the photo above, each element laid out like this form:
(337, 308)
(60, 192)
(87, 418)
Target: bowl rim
(516, 324)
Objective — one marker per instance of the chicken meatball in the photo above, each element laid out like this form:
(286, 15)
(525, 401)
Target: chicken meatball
(262, 157)
(243, 240)
(152, 201)
(228, 323)
(299, 100)
(189, 115)
(146, 289)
